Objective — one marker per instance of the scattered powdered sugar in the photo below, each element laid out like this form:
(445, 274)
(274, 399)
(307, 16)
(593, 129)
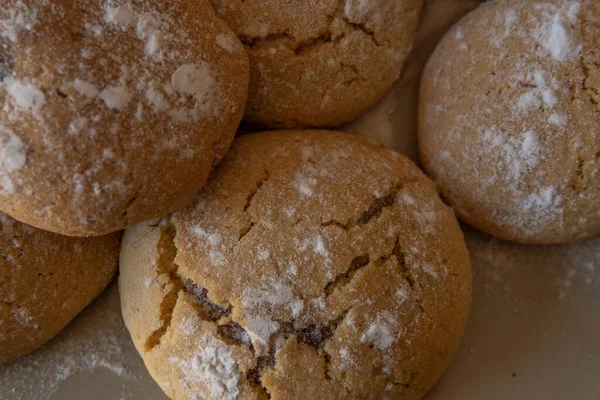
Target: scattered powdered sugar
(541, 95)
(86, 89)
(122, 15)
(545, 206)
(258, 302)
(273, 294)
(189, 325)
(305, 185)
(96, 339)
(263, 254)
(214, 366)
(260, 329)
(116, 97)
(380, 333)
(517, 154)
(557, 119)
(12, 159)
(25, 95)
(193, 79)
(226, 41)
(215, 240)
(20, 17)
(553, 35)
(319, 247)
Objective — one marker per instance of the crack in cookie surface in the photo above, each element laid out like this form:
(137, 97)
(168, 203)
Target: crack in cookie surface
(166, 266)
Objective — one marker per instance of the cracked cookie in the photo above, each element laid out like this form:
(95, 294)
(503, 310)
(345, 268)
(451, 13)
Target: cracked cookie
(113, 111)
(313, 265)
(45, 280)
(515, 147)
(320, 63)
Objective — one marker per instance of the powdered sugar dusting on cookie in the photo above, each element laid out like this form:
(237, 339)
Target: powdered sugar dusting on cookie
(380, 333)
(193, 79)
(227, 42)
(116, 97)
(12, 159)
(214, 366)
(553, 35)
(25, 95)
(522, 121)
(20, 18)
(137, 72)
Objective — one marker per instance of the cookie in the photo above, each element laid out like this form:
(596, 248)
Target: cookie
(113, 111)
(45, 281)
(313, 265)
(320, 63)
(510, 121)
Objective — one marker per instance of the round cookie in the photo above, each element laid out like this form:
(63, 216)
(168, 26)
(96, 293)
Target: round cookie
(312, 265)
(510, 119)
(320, 63)
(113, 112)
(45, 280)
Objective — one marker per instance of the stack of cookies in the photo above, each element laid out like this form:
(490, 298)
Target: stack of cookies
(284, 264)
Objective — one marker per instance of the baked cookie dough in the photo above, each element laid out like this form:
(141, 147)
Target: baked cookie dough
(45, 281)
(510, 119)
(320, 63)
(313, 265)
(113, 112)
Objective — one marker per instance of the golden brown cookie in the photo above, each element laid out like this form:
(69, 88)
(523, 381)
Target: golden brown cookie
(45, 281)
(320, 63)
(510, 121)
(313, 265)
(112, 111)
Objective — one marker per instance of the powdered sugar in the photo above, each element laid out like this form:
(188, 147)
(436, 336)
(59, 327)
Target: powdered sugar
(541, 95)
(97, 339)
(116, 97)
(20, 18)
(215, 241)
(189, 325)
(86, 89)
(25, 95)
(380, 333)
(554, 36)
(12, 159)
(517, 154)
(227, 42)
(258, 301)
(214, 366)
(319, 247)
(193, 79)
(122, 15)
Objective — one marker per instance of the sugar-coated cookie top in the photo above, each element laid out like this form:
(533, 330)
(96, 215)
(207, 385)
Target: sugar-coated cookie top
(313, 263)
(109, 107)
(510, 121)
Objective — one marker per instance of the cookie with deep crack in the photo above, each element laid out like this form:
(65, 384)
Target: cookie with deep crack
(515, 147)
(320, 63)
(113, 111)
(46, 279)
(313, 265)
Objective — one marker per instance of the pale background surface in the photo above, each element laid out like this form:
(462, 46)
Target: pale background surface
(536, 310)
